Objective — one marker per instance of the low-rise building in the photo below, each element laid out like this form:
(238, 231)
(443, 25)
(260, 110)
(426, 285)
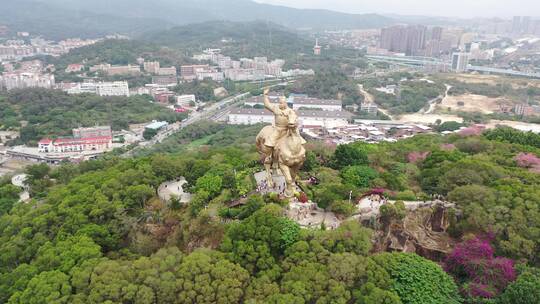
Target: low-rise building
(165, 80)
(151, 67)
(74, 68)
(116, 88)
(84, 139)
(11, 81)
(116, 69)
(63, 145)
(156, 125)
(248, 74)
(124, 70)
(526, 110)
(316, 103)
(184, 100)
(389, 89)
(210, 74)
(98, 131)
(100, 67)
(369, 108)
(170, 71)
(189, 72)
(308, 118)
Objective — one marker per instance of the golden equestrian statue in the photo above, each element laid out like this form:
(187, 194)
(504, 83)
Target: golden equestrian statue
(282, 144)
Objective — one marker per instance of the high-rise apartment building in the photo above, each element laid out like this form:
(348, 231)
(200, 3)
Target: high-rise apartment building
(410, 40)
(460, 62)
(523, 25)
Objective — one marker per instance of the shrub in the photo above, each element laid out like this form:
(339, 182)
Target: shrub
(473, 263)
(527, 160)
(343, 208)
(359, 176)
(524, 290)
(417, 280)
(416, 157)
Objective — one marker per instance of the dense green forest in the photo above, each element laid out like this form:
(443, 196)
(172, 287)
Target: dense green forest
(116, 52)
(97, 233)
(329, 83)
(235, 39)
(55, 113)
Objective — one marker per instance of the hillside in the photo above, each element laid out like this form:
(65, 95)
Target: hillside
(237, 39)
(63, 18)
(58, 23)
(98, 233)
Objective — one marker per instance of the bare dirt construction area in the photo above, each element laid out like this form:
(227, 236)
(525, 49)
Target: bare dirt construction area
(494, 80)
(522, 126)
(472, 103)
(428, 118)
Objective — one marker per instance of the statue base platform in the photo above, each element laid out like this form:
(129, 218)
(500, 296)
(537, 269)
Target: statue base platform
(262, 185)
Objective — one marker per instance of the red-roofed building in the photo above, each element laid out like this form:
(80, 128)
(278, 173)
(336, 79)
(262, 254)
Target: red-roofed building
(74, 68)
(61, 145)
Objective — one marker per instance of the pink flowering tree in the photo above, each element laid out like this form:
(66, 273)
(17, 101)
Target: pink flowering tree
(482, 275)
(416, 157)
(472, 131)
(527, 160)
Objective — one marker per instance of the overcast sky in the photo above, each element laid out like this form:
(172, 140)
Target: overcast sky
(456, 8)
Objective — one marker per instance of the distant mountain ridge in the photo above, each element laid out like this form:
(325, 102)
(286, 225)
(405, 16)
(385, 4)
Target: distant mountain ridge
(65, 18)
(190, 11)
(55, 22)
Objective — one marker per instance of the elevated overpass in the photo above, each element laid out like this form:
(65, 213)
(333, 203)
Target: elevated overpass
(417, 61)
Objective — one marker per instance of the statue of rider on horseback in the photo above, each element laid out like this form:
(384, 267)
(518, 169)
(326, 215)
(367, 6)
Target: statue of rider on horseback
(282, 143)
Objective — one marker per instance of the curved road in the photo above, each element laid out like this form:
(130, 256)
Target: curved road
(369, 98)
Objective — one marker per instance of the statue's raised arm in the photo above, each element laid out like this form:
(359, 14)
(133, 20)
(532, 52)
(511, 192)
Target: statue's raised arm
(267, 104)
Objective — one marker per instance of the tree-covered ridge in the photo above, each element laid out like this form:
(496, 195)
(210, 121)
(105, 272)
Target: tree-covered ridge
(57, 22)
(96, 232)
(328, 83)
(112, 51)
(235, 39)
(55, 113)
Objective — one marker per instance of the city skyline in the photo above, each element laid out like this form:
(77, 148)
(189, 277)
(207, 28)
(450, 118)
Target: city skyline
(458, 8)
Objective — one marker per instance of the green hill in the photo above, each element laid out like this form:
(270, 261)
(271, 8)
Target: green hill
(58, 23)
(237, 39)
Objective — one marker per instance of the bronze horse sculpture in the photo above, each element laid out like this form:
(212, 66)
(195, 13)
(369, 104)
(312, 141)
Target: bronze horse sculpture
(288, 155)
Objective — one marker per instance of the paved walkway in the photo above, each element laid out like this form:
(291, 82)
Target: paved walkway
(174, 188)
(369, 206)
(308, 215)
(18, 180)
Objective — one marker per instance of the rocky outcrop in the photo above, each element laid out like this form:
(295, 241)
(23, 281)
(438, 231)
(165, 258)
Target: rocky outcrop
(423, 231)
